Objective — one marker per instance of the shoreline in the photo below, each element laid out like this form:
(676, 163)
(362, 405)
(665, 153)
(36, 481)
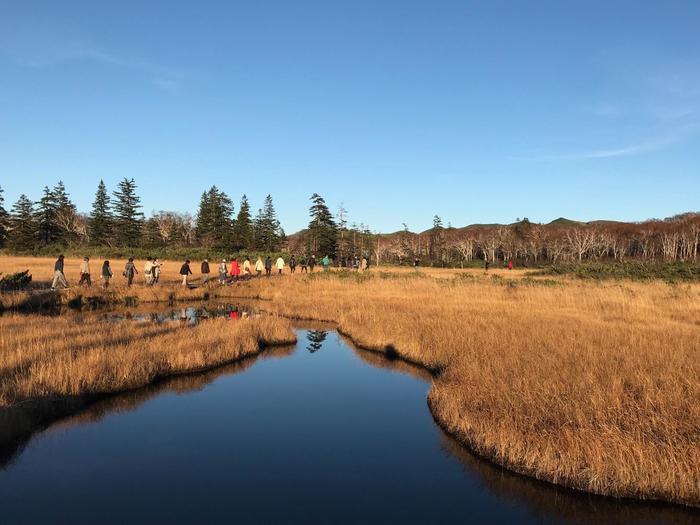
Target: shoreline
(483, 450)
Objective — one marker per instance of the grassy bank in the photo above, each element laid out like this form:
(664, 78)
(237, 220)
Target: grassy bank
(637, 271)
(66, 356)
(591, 386)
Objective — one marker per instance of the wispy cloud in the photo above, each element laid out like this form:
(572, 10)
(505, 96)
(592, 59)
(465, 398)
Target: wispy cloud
(41, 57)
(625, 151)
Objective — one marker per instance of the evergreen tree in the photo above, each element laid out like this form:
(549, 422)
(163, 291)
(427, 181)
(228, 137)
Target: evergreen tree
(214, 223)
(47, 218)
(242, 230)
(101, 217)
(322, 232)
(23, 229)
(66, 214)
(128, 219)
(268, 231)
(437, 240)
(4, 220)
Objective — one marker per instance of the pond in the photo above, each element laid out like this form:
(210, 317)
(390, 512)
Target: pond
(319, 432)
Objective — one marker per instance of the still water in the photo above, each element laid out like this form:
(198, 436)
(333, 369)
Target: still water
(319, 432)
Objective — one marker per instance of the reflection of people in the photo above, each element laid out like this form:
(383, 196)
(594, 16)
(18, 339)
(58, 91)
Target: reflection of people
(316, 339)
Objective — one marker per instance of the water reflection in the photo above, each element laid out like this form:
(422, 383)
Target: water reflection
(250, 447)
(189, 315)
(316, 339)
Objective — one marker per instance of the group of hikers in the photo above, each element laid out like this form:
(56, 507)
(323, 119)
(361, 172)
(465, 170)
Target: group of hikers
(229, 271)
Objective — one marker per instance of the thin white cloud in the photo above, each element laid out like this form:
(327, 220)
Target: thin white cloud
(41, 57)
(625, 151)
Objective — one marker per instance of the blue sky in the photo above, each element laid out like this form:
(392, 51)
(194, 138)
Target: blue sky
(479, 111)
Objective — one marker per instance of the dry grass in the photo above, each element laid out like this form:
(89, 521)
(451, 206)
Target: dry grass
(589, 385)
(68, 356)
(592, 386)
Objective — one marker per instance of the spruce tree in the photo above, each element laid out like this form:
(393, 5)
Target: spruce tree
(46, 217)
(323, 231)
(128, 219)
(437, 240)
(65, 214)
(101, 218)
(4, 220)
(242, 229)
(214, 222)
(203, 223)
(268, 236)
(23, 231)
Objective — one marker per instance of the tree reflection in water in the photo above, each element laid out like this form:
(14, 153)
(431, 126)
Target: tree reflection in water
(316, 339)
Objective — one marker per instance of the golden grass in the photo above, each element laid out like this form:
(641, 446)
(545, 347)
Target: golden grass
(588, 385)
(73, 355)
(592, 386)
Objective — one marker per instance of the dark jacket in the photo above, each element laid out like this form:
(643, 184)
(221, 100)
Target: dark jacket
(268, 264)
(58, 267)
(185, 270)
(205, 267)
(106, 271)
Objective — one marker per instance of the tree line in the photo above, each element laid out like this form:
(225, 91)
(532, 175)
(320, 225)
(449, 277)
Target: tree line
(674, 239)
(117, 220)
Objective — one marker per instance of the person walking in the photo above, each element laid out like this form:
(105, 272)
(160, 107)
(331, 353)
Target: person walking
(259, 267)
(85, 272)
(326, 263)
(205, 271)
(280, 265)
(106, 274)
(312, 263)
(58, 275)
(247, 271)
(148, 271)
(155, 270)
(510, 264)
(363, 264)
(130, 271)
(292, 264)
(235, 269)
(223, 270)
(304, 264)
(268, 266)
(185, 272)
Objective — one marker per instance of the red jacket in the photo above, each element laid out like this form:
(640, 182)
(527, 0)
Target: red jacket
(235, 269)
